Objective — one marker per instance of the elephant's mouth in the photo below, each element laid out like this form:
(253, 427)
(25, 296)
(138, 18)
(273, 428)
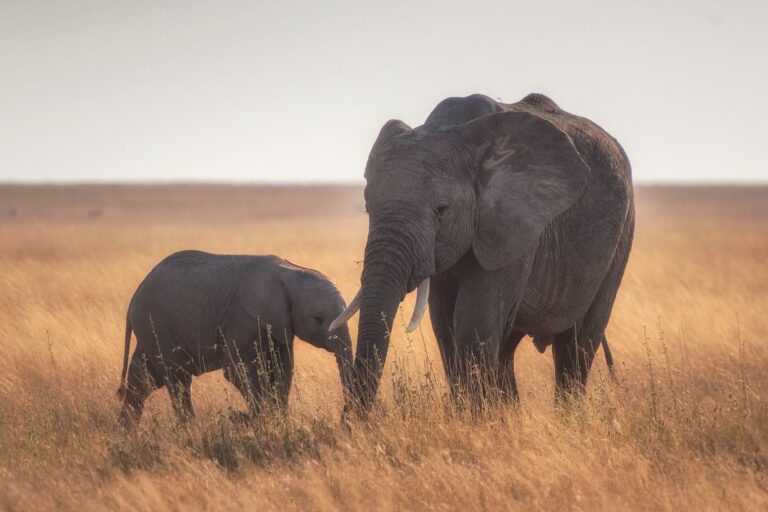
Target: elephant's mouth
(411, 284)
(417, 277)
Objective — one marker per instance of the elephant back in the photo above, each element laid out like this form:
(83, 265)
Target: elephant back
(455, 111)
(184, 299)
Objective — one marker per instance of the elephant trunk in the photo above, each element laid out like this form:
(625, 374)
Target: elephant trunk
(345, 360)
(388, 273)
(377, 313)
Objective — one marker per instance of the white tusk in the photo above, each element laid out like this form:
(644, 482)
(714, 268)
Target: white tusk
(347, 313)
(422, 299)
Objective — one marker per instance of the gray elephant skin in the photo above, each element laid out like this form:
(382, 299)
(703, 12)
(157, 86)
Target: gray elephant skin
(519, 218)
(197, 312)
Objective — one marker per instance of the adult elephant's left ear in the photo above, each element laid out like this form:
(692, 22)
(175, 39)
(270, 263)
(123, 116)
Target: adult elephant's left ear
(529, 172)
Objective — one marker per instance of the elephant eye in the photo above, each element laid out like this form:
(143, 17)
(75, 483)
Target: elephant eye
(440, 210)
(319, 320)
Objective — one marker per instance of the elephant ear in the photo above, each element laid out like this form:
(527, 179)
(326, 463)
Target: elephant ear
(529, 172)
(391, 128)
(265, 299)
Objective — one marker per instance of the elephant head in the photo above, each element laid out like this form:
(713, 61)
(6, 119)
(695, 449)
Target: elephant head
(314, 302)
(475, 177)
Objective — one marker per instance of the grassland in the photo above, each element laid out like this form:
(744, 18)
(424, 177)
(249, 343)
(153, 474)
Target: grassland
(685, 428)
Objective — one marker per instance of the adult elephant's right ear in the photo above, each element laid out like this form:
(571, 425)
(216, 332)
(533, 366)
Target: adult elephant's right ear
(529, 172)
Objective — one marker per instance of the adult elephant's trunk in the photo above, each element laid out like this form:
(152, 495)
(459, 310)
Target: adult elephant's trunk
(393, 259)
(380, 295)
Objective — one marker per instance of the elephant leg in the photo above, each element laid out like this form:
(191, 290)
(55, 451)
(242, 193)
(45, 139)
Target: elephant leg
(506, 382)
(485, 302)
(442, 300)
(143, 378)
(262, 369)
(478, 338)
(574, 350)
(244, 378)
(241, 364)
(272, 365)
(281, 374)
(477, 356)
(180, 390)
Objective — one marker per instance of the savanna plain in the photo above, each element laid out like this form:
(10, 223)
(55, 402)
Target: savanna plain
(683, 427)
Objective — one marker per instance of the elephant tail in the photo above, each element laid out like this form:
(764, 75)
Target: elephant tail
(121, 391)
(608, 357)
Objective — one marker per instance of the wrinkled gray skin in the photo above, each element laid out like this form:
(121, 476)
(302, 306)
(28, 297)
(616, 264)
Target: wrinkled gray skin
(197, 312)
(522, 215)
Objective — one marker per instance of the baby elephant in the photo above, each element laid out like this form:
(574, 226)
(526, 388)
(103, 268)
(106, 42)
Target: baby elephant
(197, 312)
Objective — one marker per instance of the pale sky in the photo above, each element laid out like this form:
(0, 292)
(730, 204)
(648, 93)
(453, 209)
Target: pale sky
(278, 91)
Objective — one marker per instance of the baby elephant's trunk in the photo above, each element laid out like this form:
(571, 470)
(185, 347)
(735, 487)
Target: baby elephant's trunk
(345, 359)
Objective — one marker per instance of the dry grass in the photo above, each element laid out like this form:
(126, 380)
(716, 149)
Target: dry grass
(686, 428)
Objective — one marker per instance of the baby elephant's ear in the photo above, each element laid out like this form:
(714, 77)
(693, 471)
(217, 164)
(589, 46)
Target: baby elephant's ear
(266, 301)
(529, 172)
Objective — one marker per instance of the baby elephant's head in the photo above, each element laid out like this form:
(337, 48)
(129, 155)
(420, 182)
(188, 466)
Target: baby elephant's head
(315, 304)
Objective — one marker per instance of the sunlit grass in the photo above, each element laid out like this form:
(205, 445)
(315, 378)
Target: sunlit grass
(683, 428)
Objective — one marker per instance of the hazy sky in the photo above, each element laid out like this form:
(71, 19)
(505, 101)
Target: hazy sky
(296, 92)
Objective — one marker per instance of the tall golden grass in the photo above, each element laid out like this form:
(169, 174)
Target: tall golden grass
(684, 428)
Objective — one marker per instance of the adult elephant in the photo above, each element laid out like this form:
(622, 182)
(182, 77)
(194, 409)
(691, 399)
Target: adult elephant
(521, 215)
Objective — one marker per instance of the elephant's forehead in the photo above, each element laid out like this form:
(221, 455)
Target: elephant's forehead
(403, 184)
(417, 149)
(412, 168)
